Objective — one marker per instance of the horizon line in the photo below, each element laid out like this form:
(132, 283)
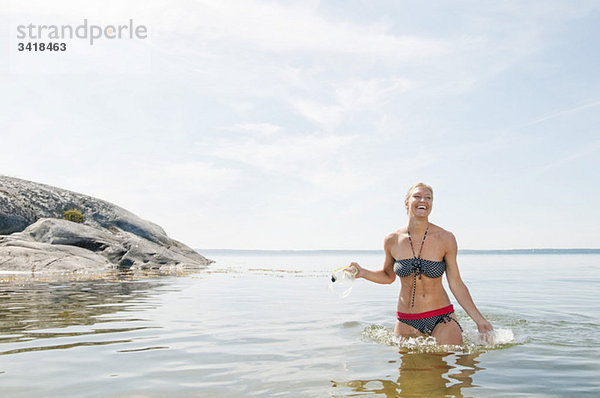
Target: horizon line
(527, 250)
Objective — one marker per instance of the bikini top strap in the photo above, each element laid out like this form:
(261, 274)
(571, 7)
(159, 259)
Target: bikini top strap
(422, 242)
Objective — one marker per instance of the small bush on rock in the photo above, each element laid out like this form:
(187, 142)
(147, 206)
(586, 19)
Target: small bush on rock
(73, 215)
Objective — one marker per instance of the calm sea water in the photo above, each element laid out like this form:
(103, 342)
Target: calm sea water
(266, 324)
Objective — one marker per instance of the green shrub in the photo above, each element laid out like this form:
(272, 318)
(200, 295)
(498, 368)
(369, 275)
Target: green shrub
(73, 215)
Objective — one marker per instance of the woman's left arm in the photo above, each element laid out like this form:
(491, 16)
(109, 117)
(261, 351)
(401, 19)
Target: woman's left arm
(458, 287)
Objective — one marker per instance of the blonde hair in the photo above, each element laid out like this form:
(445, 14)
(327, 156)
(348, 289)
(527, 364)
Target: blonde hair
(415, 186)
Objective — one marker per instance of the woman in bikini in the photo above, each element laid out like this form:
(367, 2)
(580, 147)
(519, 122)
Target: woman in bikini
(419, 253)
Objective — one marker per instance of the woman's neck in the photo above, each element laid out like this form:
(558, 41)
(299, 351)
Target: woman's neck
(418, 225)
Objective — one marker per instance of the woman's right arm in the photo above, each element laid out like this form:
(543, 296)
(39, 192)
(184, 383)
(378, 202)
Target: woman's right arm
(385, 275)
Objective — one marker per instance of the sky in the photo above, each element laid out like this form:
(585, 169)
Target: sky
(301, 124)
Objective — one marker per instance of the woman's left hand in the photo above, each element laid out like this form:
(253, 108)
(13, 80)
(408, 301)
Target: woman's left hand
(484, 328)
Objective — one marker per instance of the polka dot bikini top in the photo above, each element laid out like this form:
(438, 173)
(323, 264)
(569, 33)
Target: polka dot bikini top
(418, 266)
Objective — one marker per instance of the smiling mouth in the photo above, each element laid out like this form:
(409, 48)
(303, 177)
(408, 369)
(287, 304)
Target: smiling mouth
(422, 207)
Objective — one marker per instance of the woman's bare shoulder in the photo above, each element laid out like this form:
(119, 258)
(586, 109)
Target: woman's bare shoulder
(392, 238)
(442, 233)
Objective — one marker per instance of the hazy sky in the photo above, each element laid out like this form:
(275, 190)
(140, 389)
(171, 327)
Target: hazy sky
(301, 124)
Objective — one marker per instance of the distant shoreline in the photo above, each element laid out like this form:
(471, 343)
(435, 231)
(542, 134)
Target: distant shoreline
(348, 251)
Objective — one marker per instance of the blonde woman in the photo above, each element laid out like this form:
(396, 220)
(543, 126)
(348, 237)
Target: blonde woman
(419, 253)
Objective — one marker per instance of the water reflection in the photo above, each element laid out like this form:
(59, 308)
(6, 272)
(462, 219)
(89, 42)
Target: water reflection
(34, 314)
(441, 374)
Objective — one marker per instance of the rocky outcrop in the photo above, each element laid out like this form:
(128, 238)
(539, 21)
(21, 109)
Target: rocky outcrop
(34, 238)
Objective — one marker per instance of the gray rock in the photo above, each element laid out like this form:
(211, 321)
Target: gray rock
(109, 238)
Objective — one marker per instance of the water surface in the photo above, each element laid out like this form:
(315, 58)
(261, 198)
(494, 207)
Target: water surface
(266, 325)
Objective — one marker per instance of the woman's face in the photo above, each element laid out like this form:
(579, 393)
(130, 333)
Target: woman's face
(420, 202)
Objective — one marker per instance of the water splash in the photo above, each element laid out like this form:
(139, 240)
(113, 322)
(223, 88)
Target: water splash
(472, 340)
(497, 338)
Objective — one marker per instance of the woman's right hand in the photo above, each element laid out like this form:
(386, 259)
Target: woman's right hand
(355, 269)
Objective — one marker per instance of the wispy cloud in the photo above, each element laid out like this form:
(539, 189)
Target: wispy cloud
(318, 159)
(283, 152)
(349, 98)
(575, 155)
(294, 27)
(561, 113)
(160, 184)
